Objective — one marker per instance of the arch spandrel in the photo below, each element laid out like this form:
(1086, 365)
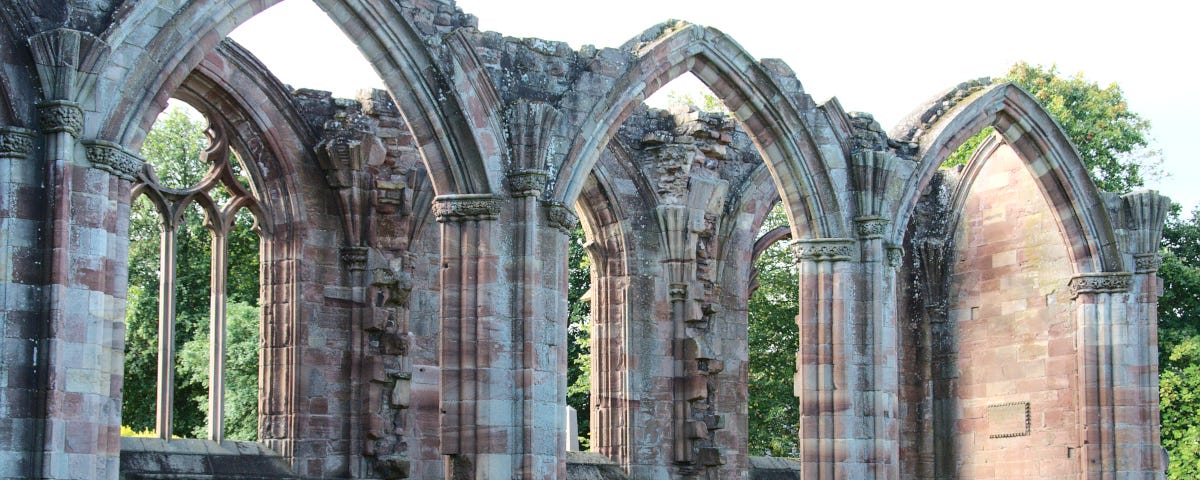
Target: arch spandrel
(747, 88)
(151, 59)
(1046, 151)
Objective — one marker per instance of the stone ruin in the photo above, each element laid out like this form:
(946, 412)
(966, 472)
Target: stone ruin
(992, 321)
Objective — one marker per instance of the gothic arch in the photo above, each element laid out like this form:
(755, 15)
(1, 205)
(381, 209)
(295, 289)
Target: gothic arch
(157, 58)
(1046, 151)
(765, 109)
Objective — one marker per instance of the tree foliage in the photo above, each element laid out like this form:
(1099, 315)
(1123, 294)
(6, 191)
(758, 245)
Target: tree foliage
(773, 338)
(1112, 140)
(1179, 345)
(579, 327)
(173, 146)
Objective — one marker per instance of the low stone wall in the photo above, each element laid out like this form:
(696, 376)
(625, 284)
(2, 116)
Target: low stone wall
(153, 458)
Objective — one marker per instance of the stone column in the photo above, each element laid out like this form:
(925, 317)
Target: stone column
(875, 350)
(827, 417)
(20, 311)
(1102, 322)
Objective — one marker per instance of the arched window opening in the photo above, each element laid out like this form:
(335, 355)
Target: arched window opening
(191, 363)
(772, 338)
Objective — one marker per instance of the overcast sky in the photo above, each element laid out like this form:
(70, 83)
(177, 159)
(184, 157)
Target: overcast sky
(882, 57)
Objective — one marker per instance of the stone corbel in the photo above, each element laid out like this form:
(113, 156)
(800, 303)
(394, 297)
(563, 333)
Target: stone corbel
(559, 216)
(114, 159)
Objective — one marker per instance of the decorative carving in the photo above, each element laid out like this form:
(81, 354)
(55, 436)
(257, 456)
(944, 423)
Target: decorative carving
(61, 116)
(895, 256)
(678, 292)
(823, 249)
(1119, 282)
(527, 183)
(871, 227)
(559, 216)
(1147, 262)
(1006, 420)
(114, 159)
(15, 142)
(355, 257)
(466, 207)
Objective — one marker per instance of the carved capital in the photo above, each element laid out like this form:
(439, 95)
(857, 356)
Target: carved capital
(355, 258)
(678, 292)
(823, 249)
(61, 116)
(1147, 262)
(559, 216)
(466, 207)
(895, 256)
(1119, 282)
(871, 227)
(114, 159)
(15, 142)
(527, 183)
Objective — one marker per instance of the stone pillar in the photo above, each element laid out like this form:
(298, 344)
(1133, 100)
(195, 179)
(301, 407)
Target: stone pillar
(21, 312)
(1102, 319)
(828, 421)
(875, 350)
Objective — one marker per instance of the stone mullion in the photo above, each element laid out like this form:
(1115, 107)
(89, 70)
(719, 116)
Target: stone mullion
(164, 414)
(827, 422)
(1100, 313)
(216, 325)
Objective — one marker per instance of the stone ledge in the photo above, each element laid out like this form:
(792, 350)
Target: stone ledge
(154, 458)
(774, 468)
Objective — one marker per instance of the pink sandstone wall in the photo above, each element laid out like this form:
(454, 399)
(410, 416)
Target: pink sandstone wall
(1015, 331)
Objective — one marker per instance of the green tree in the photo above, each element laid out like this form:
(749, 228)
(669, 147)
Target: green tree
(1179, 345)
(173, 146)
(773, 339)
(579, 327)
(1112, 140)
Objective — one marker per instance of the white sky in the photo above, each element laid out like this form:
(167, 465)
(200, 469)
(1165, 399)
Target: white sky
(879, 56)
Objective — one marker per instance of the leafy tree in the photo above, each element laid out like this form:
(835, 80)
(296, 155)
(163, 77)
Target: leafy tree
(1112, 140)
(173, 146)
(1179, 345)
(773, 339)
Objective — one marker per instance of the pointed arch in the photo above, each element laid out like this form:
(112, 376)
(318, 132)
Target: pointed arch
(747, 87)
(156, 46)
(1047, 152)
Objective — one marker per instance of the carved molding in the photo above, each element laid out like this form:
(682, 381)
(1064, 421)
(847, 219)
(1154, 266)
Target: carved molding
(466, 207)
(559, 216)
(527, 183)
(871, 227)
(15, 142)
(61, 116)
(114, 159)
(1119, 282)
(1147, 262)
(824, 249)
(355, 257)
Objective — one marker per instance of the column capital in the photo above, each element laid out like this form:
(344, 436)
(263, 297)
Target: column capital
(824, 249)
(559, 216)
(895, 256)
(466, 207)
(528, 183)
(355, 257)
(61, 116)
(1147, 262)
(15, 142)
(871, 227)
(1108, 282)
(114, 159)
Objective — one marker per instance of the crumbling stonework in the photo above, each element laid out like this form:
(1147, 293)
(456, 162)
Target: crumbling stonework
(414, 245)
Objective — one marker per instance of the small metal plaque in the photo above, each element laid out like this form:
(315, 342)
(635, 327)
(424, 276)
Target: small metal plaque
(1008, 420)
